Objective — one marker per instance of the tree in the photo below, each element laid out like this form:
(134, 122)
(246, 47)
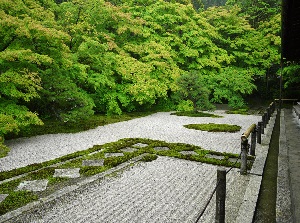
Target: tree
(192, 88)
(291, 79)
(257, 10)
(252, 51)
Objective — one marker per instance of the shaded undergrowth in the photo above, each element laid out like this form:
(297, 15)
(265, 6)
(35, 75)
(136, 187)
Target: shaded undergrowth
(196, 114)
(52, 126)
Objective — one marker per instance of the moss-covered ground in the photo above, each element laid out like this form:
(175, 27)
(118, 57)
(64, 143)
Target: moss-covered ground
(213, 127)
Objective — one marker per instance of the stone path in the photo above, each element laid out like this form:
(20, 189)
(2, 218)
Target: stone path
(147, 192)
(290, 209)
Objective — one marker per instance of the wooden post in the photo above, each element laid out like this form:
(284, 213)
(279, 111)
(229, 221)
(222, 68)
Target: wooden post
(253, 143)
(273, 107)
(265, 119)
(220, 195)
(263, 124)
(244, 148)
(259, 130)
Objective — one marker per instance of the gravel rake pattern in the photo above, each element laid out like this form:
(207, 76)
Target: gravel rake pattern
(147, 192)
(159, 126)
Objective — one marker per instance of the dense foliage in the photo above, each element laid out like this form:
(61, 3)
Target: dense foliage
(68, 59)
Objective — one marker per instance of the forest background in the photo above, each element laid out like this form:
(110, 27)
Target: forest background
(71, 59)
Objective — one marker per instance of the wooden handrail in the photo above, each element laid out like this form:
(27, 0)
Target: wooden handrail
(246, 134)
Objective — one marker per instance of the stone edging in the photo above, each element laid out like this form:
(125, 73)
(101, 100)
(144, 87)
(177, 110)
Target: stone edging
(248, 207)
(283, 201)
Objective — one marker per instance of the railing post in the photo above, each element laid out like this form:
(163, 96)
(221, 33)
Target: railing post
(244, 148)
(220, 195)
(259, 130)
(253, 142)
(263, 124)
(273, 107)
(265, 119)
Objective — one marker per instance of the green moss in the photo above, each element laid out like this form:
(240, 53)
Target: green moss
(32, 167)
(241, 111)
(4, 150)
(92, 170)
(55, 182)
(212, 127)
(149, 158)
(41, 174)
(16, 199)
(7, 187)
(72, 164)
(196, 114)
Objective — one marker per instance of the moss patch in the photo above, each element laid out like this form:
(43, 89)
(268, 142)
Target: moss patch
(16, 199)
(4, 150)
(241, 111)
(46, 170)
(196, 114)
(212, 127)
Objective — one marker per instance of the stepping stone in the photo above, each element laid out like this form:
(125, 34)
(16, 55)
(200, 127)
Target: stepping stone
(189, 153)
(34, 185)
(140, 145)
(2, 197)
(93, 162)
(107, 155)
(233, 160)
(69, 173)
(161, 148)
(214, 157)
(129, 150)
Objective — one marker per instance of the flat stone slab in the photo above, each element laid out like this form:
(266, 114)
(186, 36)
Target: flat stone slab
(107, 155)
(70, 173)
(161, 148)
(189, 153)
(214, 156)
(93, 162)
(129, 150)
(2, 197)
(140, 145)
(233, 160)
(33, 185)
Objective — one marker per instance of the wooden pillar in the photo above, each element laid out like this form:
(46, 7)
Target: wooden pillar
(220, 195)
(253, 143)
(244, 148)
(259, 131)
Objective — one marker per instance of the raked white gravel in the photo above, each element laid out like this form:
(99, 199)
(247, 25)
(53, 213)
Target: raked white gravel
(159, 126)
